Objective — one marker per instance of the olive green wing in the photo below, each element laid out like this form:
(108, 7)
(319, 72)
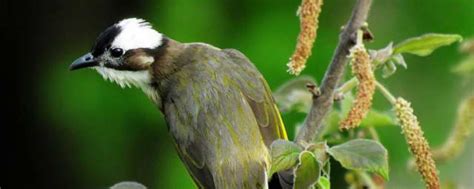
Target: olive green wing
(259, 96)
(192, 152)
(219, 108)
(218, 117)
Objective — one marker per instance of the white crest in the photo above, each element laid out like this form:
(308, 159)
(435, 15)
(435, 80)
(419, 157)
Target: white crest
(136, 33)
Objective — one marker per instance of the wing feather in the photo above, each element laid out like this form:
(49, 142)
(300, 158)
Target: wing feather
(259, 96)
(219, 108)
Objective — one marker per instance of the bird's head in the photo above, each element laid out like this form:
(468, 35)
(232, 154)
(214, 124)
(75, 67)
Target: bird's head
(124, 52)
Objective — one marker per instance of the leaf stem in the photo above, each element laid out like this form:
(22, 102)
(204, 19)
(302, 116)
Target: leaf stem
(373, 133)
(386, 93)
(348, 85)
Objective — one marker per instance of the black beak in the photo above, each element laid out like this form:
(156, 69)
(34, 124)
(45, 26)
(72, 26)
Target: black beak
(84, 62)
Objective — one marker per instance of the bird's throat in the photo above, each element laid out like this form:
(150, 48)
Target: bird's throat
(140, 79)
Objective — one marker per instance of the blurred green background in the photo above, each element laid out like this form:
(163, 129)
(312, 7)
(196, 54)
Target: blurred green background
(84, 132)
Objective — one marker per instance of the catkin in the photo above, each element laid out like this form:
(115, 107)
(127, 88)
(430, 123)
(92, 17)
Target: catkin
(418, 145)
(464, 125)
(309, 12)
(362, 69)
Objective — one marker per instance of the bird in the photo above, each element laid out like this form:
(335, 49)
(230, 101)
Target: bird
(218, 108)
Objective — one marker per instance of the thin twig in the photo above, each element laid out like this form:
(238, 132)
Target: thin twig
(322, 104)
(348, 85)
(386, 93)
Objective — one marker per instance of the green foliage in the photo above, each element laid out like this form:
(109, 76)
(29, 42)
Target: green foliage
(388, 69)
(284, 155)
(319, 149)
(332, 122)
(389, 57)
(382, 55)
(424, 45)
(363, 155)
(312, 164)
(293, 95)
(324, 183)
(398, 59)
(307, 171)
(375, 118)
(386, 59)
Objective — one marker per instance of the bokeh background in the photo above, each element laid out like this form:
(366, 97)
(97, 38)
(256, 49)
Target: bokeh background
(64, 129)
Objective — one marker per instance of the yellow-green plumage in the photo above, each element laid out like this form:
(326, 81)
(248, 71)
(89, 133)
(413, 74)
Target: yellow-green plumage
(222, 116)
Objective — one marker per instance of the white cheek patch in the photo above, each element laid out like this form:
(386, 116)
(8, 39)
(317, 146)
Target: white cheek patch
(136, 33)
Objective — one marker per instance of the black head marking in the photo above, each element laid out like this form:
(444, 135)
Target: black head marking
(105, 39)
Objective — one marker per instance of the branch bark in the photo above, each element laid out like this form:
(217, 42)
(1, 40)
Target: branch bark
(322, 104)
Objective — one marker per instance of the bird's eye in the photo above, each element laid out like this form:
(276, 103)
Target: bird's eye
(116, 52)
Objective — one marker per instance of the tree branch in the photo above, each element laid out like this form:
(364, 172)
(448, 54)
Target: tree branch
(322, 104)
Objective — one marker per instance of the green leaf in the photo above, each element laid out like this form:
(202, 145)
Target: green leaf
(307, 172)
(293, 95)
(398, 59)
(319, 149)
(326, 170)
(424, 45)
(324, 183)
(128, 185)
(284, 155)
(363, 155)
(378, 119)
(382, 55)
(466, 67)
(388, 69)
